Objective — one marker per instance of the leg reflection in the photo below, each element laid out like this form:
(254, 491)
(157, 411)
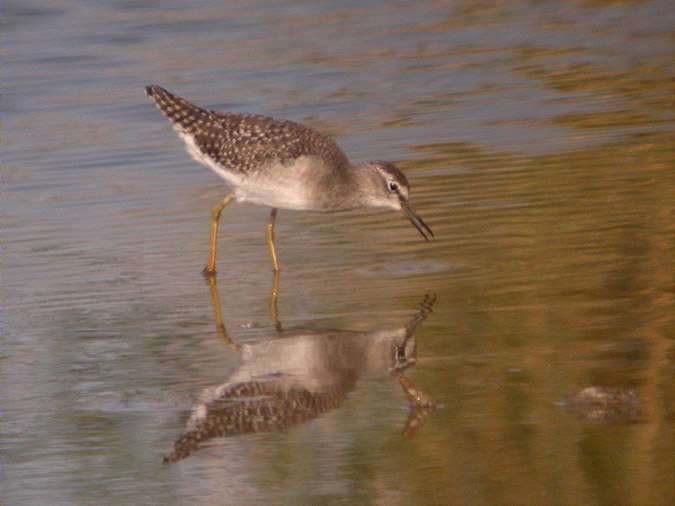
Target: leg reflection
(272, 304)
(218, 316)
(221, 330)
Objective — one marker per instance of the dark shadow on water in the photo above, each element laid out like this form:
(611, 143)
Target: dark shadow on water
(297, 375)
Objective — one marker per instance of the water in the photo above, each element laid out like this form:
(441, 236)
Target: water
(539, 141)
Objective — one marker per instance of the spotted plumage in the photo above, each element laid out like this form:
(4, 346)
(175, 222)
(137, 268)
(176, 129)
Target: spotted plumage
(281, 164)
(296, 377)
(251, 408)
(245, 142)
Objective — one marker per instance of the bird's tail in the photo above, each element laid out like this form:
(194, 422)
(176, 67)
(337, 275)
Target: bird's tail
(185, 116)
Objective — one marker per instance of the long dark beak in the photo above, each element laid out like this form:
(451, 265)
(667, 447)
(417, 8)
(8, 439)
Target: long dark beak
(421, 227)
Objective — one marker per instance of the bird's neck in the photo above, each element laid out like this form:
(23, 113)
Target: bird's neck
(336, 190)
(361, 186)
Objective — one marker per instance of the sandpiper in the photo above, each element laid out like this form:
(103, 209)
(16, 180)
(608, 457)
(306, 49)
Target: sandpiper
(280, 164)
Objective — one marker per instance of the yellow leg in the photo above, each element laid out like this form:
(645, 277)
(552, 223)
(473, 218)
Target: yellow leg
(270, 241)
(210, 268)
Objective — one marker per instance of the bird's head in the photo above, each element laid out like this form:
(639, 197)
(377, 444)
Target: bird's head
(391, 190)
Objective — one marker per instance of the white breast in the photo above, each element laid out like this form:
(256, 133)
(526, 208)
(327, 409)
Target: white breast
(276, 185)
(280, 186)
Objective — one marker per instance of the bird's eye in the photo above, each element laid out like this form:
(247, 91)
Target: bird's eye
(393, 186)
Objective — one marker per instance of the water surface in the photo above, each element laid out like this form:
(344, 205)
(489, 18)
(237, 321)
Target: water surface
(538, 137)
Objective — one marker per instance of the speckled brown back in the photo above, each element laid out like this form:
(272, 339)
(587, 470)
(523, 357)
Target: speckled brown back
(255, 407)
(245, 143)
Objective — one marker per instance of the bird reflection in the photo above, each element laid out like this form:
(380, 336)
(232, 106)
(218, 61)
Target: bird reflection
(297, 376)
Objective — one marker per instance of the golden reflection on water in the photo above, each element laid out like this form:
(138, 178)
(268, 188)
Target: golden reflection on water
(576, 256)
